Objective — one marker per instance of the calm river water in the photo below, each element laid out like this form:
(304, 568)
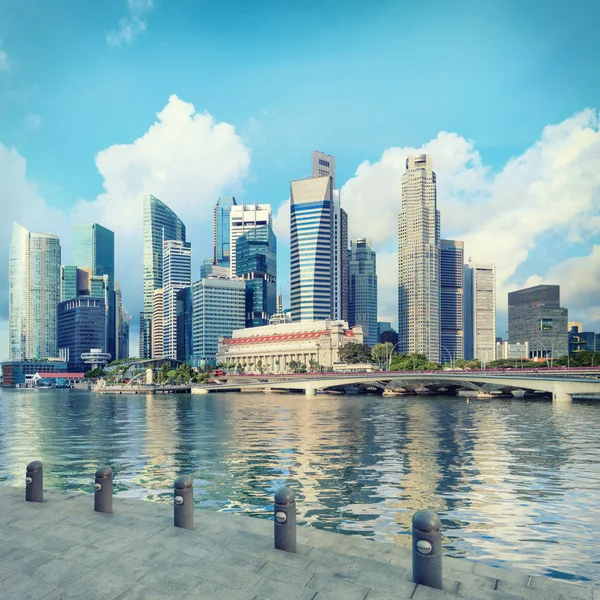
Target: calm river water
(515, 482)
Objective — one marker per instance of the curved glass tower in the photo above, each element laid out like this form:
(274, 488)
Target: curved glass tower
(159, 223)
(34, 293)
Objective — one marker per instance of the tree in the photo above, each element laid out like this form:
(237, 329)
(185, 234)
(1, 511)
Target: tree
(259, 364)
(382, 353)
(353, 353)
(412, 362)
(313, 365)
(94, 373)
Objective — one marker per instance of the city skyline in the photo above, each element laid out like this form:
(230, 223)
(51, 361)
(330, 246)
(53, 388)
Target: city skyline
(245, 126)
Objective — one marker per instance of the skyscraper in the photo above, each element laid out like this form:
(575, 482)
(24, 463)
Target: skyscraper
(339, 260)
(419, 260)
(479, 311)
(323, 165)
(311, 215)
(222, 217)
(245, 217)
(363, 290)
(94, 248)
(157, 325)
(122, 326)
(33, 294)
(177, 274)
(160, 223)
(451, 300)
(256, 264)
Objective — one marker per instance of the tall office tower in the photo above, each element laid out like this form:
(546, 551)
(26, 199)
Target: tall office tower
(419, 260)
(33, 294)
(451, 300)
(339, 263)
(124, 335)
(160, 223)
(363, 290)
(177, 274)
(68, 282)
(323, 165)
(479, 310)
(245, 217)
(256, 264)
(222, 231)
(157, 326)
(211, 308)
(81, 327)
(311, 214)
(119, 312)
(94, 248)
(535, 316)
(208, 268)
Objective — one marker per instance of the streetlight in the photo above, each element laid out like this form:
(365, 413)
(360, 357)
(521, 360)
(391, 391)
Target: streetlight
(449, 355)
(546, 351)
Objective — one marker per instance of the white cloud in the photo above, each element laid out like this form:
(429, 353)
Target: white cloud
(32, 122)
(186, 159)
(281, 223)
(130, 26)
(4, 62)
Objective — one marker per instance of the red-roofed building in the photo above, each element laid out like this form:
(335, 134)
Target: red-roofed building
(273, 347)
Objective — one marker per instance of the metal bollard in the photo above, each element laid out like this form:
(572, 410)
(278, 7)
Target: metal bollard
(285, 520)
(427, 549)
(103, 489)
(183, 501)
(34, 482)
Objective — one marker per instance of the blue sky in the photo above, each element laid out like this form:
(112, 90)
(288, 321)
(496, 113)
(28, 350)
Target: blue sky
(349, 78)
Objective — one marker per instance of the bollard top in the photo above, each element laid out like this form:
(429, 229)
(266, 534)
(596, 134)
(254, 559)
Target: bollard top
(426, 521)
(35, 465)
(183, 483)
(284, 495)
(103, 473)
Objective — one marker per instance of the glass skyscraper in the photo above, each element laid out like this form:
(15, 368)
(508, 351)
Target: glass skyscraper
(34, 293)
(256, 264)
(362, 303)
(159, 223)
(94, 248)
(452, 335)
(222, 214)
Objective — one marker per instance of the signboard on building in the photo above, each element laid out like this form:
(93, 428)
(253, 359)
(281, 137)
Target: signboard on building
(545, 324)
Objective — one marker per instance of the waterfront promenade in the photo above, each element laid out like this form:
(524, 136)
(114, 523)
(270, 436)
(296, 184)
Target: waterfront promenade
(62, 549)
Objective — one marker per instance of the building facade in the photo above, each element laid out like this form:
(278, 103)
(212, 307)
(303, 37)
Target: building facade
(386, 334)
(419, 260)
(157, 325)
(222, 232)
(505, 351)
(256, 264)
(579, 340)
(479, 308)
(275, 348)
(177, 275)
(535, 316)
(81, 327)
(159, 223)
(208, 268)
(33, 294)
(362, 296)
(244, 218)
(339, 260)
(208, 310)
(16, 373)
(451, 300)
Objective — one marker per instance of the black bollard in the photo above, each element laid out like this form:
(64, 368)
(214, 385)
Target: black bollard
(34, 482)
(285, 520)
(427, 549)
(103, 489)
(183, 502)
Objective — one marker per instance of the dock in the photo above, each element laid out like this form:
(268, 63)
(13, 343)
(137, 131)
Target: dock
(62, 549)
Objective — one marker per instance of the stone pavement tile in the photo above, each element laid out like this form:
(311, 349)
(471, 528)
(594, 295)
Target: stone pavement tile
(25, 587)
(130, 567)
(26, 537)
(94, 585)
(452, 580)
(180, 566)
(512, 576)
(55, 545)
(569, 590)
(529, 593)
(93, 554)
(154, 551)
(21, 559)
(208, 590)
(162, 583)
(270, 589)
(228, 575)
(458, 564)
(474, 592)
(375, 595)
(390, 585)
(34, 520)
(257, 545)
(426, 593)
(256, 525)
(326, 561)
(295, 576)
(240, 561)
(59, 572)
(334, 585)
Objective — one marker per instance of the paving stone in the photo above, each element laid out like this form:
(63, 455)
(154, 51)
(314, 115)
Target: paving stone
(21, 559)
(474, 592)
(25, 587)
(296, 576)
(529, 593)
(333, 585)
(375, 595)
(458, 564)
(391, 585)
(423, 592)
(228, 575)
(512, 576)
(91, 586)
(270, 589)
(569, 590)
(215, 591)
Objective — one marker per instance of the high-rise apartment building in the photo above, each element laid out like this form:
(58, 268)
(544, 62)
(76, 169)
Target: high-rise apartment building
(122, 328)
(535, 316)
(311, 215)
(256, 264)
(451, 300)
(159, 223)
(94, 248)
(177, 274)
(245, 217)
(363, 290)
(33, 294)
(157, 325)
(222, 218)
(479, 310)
(419, 260)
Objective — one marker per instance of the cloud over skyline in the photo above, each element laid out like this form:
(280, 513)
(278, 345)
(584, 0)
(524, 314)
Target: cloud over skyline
(129, 27)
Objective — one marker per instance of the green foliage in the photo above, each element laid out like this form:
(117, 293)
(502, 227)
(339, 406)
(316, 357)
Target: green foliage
(584, 358)
(383, 353)
(296, 366)
(412, 362)
(94, 373)
(313, 365)
(353, 353)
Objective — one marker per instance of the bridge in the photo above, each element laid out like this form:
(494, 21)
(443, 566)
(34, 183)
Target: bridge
(562, 385)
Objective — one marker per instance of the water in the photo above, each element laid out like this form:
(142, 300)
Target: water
(515, 482)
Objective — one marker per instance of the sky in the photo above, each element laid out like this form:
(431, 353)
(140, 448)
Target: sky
(101, 102)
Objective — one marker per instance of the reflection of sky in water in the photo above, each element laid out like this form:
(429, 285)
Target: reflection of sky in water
(514, 482)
